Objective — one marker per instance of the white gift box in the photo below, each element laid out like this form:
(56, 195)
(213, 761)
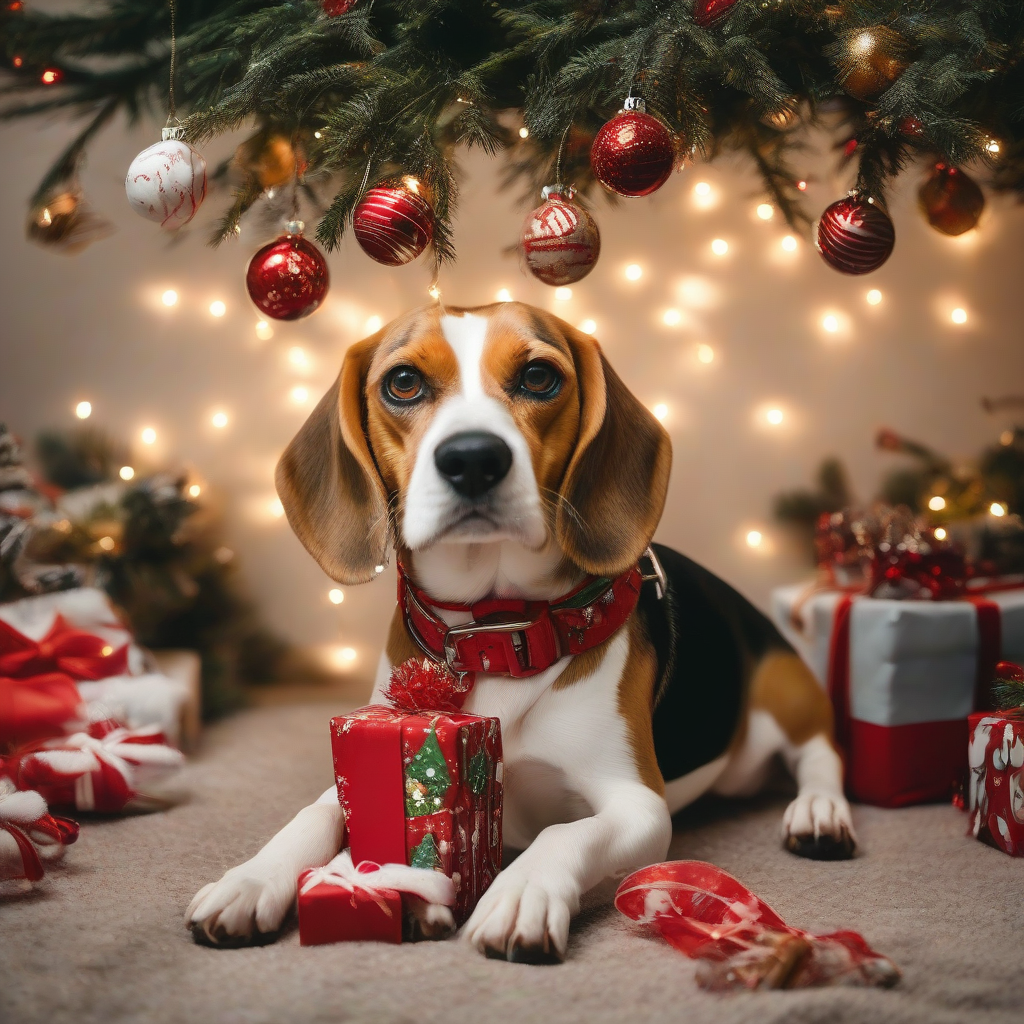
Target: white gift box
(912, 675)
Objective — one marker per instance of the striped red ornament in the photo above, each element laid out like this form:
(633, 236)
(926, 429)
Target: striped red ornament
(560, 240)
(633, 153)
(394, 223)
(855, 236)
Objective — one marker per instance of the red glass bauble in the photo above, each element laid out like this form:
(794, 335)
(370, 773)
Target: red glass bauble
(706, 12)
(560, 240)
(332, 8)
(394, 223)
(951, 200)
(855, 236)
(633, 153)
(288, 278)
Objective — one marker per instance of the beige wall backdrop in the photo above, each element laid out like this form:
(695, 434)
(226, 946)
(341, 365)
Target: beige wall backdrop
(92, 327)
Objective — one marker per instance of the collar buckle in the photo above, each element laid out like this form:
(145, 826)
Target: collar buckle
(513, 632)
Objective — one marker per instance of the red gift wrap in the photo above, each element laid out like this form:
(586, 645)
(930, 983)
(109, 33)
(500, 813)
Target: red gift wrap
(332, 913)
(996, 796)
(424, 789)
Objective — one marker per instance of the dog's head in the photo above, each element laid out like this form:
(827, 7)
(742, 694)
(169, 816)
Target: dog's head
(474, 426)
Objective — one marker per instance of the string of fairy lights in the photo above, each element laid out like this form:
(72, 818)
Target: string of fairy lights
(693, 294)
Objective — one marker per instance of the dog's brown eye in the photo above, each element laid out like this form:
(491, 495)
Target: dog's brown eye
(404, 384)
(540, 379)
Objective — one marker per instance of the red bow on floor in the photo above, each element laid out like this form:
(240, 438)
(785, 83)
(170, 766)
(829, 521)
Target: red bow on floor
(65, 649)
(23, 816)
(712, 917)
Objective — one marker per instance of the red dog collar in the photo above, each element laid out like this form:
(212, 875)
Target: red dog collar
(520, 638)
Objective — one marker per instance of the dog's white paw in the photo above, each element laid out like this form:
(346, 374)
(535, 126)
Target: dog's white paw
(246, 907)
(521, 918)
(819, 826)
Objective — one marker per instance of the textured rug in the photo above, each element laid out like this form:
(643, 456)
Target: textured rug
(102, 940)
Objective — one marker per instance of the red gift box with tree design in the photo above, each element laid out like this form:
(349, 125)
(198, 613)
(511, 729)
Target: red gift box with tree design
(423, 788)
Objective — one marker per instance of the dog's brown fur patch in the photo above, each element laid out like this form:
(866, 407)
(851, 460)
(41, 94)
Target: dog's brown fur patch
(400, 646)
(636, 701)
(783, 686)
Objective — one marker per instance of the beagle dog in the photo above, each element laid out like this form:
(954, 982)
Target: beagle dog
(497, 450)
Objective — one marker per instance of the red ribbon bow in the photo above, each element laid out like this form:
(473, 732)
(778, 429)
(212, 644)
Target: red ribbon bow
(65, 649)
(709, 915)
(24, 818)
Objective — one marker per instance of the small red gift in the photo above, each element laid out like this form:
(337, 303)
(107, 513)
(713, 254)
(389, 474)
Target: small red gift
(995, 753)
(343, 902)
(423, 788)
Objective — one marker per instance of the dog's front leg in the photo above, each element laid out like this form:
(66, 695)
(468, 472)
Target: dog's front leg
(249, 903)
(525, 914)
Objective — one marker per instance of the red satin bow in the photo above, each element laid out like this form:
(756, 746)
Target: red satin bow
(709, 915)
(37, 708)
(65, 649)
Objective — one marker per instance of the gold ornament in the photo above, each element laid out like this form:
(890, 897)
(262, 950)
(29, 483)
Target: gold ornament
(270, 158)
(65, 222)
(873, 59)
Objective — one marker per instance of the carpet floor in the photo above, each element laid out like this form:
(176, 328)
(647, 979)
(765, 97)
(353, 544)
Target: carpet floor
(102, 940)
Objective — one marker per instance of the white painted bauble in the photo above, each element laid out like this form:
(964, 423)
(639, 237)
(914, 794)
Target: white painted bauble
(167, 182)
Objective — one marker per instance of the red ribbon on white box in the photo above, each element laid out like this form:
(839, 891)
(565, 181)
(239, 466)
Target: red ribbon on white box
(107, 767)
(374, 879)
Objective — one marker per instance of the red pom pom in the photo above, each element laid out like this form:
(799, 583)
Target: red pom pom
(425, 685)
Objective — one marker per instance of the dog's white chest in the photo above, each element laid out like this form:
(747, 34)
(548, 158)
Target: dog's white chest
(558, 744)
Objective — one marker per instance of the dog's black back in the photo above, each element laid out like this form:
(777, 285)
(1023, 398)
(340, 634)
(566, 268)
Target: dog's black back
(708, 639)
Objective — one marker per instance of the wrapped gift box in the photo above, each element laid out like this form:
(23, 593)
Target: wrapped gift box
(333, 912)
(905, 683)
(77, 633)
(423, 789)
(996, 792)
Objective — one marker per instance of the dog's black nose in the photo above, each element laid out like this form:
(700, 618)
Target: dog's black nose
(473, 462)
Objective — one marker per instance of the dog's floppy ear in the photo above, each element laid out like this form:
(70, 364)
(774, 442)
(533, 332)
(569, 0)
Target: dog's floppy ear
(328, 481)
(614, 488)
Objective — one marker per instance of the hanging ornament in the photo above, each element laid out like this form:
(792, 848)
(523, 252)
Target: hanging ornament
(271, 159)
(332, 8)
(394, 223)
(855, 236)
(707, 12)
(950, 200)
(633, 153)
(911, 127)
(65, 222)
(167, 181)
(560, 240)
(288, 278)
(873, 59)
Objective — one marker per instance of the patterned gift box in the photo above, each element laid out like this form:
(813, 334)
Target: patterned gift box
(903, 676)
(424, 789)
(996, 794)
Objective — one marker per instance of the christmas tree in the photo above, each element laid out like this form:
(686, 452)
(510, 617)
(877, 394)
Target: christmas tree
(343, 94)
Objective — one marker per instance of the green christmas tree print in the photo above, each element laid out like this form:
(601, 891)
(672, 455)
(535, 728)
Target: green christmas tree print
(425, 855)
(426, 778)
